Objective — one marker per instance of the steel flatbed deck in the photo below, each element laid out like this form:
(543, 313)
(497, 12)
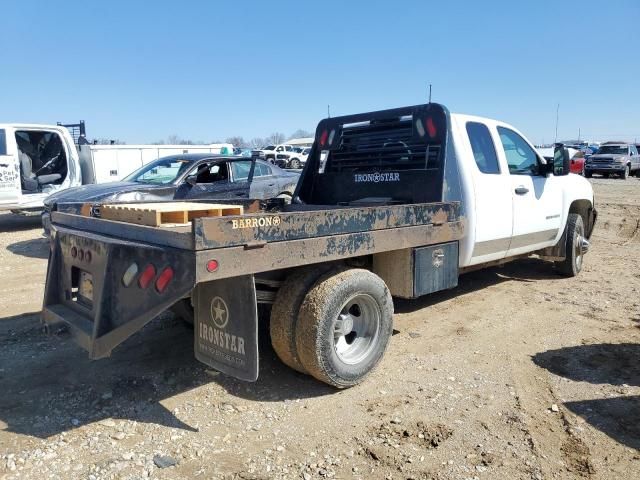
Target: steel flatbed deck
(268, 240)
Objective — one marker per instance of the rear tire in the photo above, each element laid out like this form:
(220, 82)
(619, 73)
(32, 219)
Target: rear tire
(284, 313)
(572, 264)
(183, 310)
(344, 326)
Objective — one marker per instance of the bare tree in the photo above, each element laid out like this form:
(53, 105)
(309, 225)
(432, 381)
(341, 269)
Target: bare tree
(237, 142)
(300, 134)
(258, 142)
(275, 138)
(176, 140)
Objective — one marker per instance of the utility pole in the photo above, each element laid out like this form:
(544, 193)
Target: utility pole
(429, 93)
(557, 116)
(328, 111)
(578, 134)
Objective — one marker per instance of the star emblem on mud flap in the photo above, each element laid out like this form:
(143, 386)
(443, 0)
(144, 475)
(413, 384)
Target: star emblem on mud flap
(219, 312)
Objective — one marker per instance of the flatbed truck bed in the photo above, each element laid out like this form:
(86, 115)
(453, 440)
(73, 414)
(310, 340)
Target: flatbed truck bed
(242, 246)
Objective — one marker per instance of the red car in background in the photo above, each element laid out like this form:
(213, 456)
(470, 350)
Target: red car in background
(577, 161)
(577, 158)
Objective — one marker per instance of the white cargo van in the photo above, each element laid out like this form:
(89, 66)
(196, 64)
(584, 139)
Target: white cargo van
(38, 160)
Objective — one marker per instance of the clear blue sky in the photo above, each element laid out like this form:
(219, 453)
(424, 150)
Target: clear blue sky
(204, 70)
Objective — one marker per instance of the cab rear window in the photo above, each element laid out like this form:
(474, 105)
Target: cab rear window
(3, 142)
(482, 146)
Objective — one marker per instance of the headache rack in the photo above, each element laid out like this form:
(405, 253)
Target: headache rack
(393, 156)
(388, 144)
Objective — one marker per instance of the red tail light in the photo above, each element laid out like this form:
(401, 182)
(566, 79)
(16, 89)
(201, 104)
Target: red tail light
(323, 138)
(212, 265)
(164, 279)
(147, 276)
(431, 127)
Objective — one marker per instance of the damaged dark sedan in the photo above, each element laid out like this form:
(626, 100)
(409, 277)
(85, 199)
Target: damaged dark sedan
(188, 176)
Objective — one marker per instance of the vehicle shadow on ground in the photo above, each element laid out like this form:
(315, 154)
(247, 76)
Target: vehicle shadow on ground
(49, 384)
(10, 222)
(527, 270)
(33, 248)
(614, 364)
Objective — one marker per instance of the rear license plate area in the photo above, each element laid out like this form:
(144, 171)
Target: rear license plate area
(81, 288)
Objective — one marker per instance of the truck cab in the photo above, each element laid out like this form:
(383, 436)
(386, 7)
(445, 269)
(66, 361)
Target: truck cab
(514, 203)
(35, 161)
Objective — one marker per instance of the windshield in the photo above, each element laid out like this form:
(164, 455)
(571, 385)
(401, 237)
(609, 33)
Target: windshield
(161, 172)
(613, 150)
(270, 147)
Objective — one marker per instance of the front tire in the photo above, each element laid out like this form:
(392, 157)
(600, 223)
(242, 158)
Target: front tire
(624, 175)
(572, 264)
(344, 326)
(587, 174)
(295, 163)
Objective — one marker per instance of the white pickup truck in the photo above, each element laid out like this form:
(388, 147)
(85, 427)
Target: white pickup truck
(271, 152)
(395, 203)
(38, 160)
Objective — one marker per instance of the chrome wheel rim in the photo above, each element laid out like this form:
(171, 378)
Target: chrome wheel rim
(578, 249)
(356, 329)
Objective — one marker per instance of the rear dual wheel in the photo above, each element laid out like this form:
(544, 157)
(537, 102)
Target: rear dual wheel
(342, 327)
(284, 313)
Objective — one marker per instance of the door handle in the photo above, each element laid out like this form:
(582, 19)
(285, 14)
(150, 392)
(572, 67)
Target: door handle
(522, 190)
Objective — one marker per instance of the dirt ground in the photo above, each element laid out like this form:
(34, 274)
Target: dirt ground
(516, 374)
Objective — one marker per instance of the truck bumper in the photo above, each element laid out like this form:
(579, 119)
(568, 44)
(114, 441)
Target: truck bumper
(615, 169)
(101, 306)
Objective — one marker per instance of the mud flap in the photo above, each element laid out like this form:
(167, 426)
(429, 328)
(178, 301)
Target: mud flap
(226, 326)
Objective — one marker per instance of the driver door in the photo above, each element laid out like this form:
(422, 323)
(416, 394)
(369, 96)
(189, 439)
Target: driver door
(537, 197)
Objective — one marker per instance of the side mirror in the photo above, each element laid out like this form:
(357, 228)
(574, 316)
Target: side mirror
(561, 160)
(192, 180)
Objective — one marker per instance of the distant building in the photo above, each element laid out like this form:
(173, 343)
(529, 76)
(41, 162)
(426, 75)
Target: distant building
(300, 142)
